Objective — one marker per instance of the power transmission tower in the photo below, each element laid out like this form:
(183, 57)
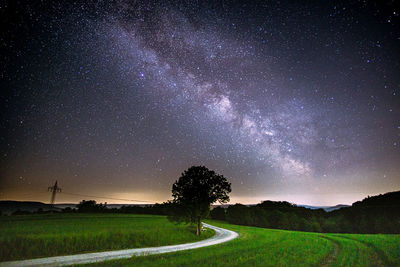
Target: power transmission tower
(53, 189)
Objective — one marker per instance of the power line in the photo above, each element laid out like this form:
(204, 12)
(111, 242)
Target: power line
(123, 199)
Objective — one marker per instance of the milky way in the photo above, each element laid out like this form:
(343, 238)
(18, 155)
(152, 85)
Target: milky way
(290, 102)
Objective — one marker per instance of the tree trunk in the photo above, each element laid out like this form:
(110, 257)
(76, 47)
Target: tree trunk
(198, 231)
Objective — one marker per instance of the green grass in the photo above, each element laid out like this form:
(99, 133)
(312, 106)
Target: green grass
(371, 250)
(34, 236)
(267, 247)
(49, 235)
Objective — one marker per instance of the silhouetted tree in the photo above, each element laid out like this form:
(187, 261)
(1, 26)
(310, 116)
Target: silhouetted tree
(90, 206)
(194, 192)
(218, 213)
(239, 214)
(68, 210)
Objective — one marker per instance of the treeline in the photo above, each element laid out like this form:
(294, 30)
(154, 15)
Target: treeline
(90, 206)
(379, 214)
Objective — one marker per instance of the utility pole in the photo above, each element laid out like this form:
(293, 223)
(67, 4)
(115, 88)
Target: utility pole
(53, 189)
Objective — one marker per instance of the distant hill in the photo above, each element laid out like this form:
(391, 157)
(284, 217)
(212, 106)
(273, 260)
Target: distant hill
(65, 205)
(387, 200)
(391, 199)
(10, 206)
(109, 206)
(326, 208)
(337, 207)
(377, 214)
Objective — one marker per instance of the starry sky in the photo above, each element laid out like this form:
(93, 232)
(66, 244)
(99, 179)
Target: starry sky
(290, 100)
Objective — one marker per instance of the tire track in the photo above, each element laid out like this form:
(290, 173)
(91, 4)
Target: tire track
(330, 259)
(381, 255)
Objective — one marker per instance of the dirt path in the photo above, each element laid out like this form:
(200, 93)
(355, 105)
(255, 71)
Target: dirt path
(330, 259)
(221, 235)
(380, 259)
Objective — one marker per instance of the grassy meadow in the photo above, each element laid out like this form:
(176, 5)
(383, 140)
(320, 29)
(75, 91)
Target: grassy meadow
(34, 236)
(267, 247)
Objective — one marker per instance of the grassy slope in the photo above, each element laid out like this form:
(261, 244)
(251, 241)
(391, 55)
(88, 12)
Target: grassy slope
(361, 250)
(33, 236)
(266, 247)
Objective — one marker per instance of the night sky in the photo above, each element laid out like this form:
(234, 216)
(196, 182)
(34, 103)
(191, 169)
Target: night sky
(290, 100)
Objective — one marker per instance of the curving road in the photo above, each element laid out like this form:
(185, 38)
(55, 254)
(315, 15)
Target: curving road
(221, 235)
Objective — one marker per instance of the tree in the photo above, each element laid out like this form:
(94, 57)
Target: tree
(194, 192)
(90, 206)
(239, 214)
(218, 213)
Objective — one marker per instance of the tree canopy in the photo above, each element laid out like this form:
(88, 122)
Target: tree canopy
(194, 192)
(90, 206)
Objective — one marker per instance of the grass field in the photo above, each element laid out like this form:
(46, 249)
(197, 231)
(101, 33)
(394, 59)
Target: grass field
(266, 247)
(33, 236)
